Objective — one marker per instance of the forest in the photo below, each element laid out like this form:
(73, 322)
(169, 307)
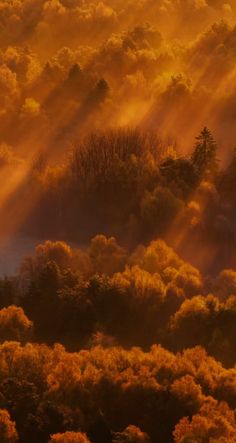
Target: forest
(123, 339)
(117, 221)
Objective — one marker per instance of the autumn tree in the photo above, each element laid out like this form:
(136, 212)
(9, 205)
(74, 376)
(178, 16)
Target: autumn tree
(69, 437)
(132, 434)
(180, 175)
(8, 433)
(106, 255)
(215, 422)
(15, 325)
(158, 209)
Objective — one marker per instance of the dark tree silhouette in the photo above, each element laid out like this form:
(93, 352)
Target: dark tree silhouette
(204, 157)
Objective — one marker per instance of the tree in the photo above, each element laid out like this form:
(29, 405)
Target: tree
(214, 423)
(69, 437)
(14, 325)
(158, 210)
(8, 433)
(131, 434)
(204, 157)
(179, 175)
(106, 255)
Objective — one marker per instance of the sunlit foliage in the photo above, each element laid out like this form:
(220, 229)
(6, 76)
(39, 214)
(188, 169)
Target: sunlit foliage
(119, 324)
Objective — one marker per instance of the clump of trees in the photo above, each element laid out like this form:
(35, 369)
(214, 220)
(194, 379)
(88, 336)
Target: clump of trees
(101, 294)
(122, 182)
(131, 434)
(214, 422)
(123, 340)
(69, 397)
(130, 185)
(69, 437)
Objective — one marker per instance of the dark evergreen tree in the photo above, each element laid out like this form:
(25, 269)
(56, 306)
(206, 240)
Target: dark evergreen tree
(204, 157)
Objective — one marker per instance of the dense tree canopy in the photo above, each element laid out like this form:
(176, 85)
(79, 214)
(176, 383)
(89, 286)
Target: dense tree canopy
(117, 221)
(123, 339)
(69, 437)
